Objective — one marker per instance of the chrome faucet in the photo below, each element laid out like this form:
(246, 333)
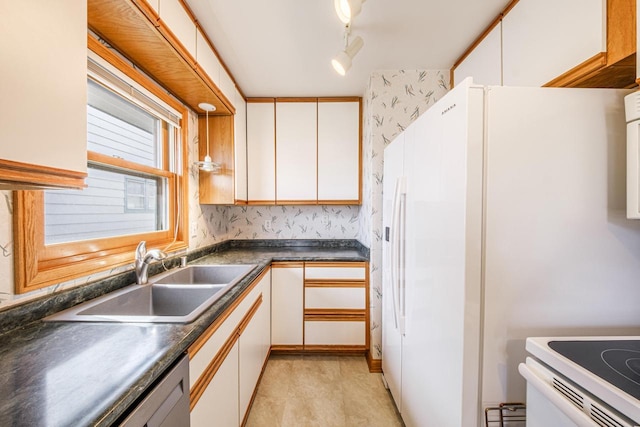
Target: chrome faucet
(143, 259)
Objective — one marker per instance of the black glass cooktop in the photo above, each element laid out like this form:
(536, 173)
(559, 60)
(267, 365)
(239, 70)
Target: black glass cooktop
(617, 362)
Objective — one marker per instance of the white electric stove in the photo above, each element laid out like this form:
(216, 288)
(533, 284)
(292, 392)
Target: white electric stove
(583, 381)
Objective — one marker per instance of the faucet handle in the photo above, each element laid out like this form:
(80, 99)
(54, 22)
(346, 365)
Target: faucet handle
(141, 250)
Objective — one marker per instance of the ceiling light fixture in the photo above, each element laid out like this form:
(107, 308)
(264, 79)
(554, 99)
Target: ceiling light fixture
(342, 61)
(347, 9)
(207, 164)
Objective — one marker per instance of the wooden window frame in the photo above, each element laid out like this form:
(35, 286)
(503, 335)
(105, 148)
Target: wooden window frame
(37, 265)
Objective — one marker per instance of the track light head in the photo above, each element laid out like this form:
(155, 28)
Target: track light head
(342, 61)
(347, 9)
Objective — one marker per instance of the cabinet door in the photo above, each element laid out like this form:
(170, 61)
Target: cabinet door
(218, 405)
(286, 306)
(542, 39)
(261, 154)
(254, 341)
(484, 63)
(43, 125)
(240, 148)
(207, 59)
(296, 152)
(174, 15)
(339, 151)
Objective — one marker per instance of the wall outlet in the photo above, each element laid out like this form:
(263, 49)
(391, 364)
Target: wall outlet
(267, 225)
(194, 229)
(324, 220)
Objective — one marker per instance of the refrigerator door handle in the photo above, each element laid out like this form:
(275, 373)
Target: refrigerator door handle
(402, 261)
(395, 217)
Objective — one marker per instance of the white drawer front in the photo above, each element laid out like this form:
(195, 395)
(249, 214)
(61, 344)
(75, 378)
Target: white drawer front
(323, 297)
(334, 333)
(351, 273)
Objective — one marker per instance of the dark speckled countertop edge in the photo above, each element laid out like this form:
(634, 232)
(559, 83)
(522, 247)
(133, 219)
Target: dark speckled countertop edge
(261, 252)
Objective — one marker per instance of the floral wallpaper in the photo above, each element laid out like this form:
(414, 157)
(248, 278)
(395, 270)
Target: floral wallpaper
(393, 100)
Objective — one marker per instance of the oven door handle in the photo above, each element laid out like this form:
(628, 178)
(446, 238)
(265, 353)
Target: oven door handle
(568, 408)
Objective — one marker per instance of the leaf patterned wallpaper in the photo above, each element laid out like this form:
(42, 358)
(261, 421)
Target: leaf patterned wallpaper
(393, 100)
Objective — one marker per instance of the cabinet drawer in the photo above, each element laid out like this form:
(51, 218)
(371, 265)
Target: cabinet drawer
(334, 332)
(335, 273)
(326, 297)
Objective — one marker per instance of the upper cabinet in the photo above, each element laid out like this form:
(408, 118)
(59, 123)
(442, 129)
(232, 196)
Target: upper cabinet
(304, 151)
(296, 152)
(261, 152)
(162, 39)
(339, 151)
(43, 131)
(566, 43)
(178, 21)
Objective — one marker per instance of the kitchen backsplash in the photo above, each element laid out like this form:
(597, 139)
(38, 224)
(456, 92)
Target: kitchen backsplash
(393, 100)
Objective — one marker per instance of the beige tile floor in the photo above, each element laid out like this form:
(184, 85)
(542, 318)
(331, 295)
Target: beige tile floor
(322, 391)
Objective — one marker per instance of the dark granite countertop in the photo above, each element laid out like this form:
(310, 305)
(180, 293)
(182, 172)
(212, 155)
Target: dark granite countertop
(89, 374)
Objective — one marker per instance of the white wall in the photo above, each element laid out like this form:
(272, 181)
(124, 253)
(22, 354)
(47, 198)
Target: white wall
(393, 100)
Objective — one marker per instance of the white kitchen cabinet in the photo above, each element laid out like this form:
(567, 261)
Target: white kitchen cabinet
(155, 5)
(218, 405)
(175, 16)
(44, 93)
(225, 363)
(335, 306)
(207, 59)
(484, 62)
(287, 287)
(339, 151)
(542, 39)
(255, 342)
(303, 151)
(296, 152)
(261, 152)
(240, 147)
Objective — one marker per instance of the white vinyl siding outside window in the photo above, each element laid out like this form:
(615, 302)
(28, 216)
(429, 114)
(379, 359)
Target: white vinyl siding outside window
(124, 197)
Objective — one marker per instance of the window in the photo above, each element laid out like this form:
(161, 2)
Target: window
(134, 190)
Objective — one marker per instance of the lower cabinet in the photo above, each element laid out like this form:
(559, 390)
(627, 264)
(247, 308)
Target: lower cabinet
(292, 306)
(336, 303)
(287, 313)
(226, 362)
(320, 306)
(218, 404)
(255, 342)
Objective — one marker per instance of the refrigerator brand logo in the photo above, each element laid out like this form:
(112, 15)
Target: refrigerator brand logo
(449, 108)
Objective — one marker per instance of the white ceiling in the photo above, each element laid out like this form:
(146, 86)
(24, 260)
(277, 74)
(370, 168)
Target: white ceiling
(284, 47)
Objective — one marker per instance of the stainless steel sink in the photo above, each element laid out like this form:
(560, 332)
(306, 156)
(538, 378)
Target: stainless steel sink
(204, 274)
(177, 296)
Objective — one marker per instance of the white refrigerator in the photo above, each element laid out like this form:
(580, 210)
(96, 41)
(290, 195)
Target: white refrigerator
(503, 218)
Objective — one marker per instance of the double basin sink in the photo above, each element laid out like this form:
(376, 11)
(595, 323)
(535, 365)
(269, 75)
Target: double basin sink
(176, 296)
